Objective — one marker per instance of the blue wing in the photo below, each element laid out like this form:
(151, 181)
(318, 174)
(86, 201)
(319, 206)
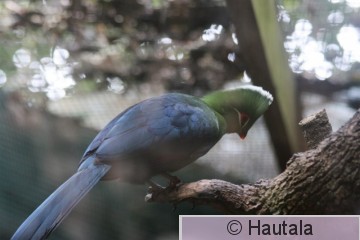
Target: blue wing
(156, 135)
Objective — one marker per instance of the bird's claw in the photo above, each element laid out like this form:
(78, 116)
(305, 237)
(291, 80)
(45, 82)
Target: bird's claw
(174, 181)
(155, 188)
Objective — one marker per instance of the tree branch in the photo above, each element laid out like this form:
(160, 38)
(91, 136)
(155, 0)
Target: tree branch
(322, 180)
(315, 128)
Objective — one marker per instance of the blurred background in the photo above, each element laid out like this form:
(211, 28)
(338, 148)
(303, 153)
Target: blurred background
(68, 67)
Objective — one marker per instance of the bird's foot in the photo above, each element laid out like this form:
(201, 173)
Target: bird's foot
(174, 181)
(154, 187)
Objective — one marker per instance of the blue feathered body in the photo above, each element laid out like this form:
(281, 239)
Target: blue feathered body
(161, 134)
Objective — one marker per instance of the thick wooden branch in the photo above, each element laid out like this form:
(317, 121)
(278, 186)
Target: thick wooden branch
(315, 128)
(322, 180)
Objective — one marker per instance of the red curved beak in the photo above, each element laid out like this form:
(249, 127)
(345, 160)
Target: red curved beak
(242, 135)
(244, 118)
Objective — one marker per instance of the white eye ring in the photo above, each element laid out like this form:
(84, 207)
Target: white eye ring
(243, 118)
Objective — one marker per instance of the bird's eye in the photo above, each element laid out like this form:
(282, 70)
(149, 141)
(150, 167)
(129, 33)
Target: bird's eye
(244, 118)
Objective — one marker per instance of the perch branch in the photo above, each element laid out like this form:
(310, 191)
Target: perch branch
(315, 128)
(322, 180)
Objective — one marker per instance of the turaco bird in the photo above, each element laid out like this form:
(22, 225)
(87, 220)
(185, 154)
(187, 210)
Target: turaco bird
(156, 136)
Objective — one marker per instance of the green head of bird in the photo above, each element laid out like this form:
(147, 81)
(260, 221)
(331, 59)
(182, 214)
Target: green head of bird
(240, 107)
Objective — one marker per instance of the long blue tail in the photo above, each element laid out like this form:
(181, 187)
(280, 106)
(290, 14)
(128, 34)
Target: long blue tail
(58, 205)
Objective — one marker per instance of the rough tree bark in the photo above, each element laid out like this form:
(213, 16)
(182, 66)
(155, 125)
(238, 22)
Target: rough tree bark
(322, 180)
